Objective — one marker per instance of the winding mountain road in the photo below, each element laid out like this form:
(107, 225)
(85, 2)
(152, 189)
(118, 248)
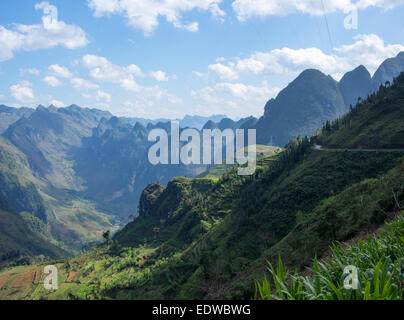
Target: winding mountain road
(321, 148)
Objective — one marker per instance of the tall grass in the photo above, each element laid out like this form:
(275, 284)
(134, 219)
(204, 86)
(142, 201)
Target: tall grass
(379, 261)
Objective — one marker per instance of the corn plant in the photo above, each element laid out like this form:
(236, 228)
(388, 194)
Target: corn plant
(380, 265)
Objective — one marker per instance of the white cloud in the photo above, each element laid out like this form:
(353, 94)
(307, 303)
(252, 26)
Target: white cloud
(369, 50)
(102, 69)
(159, 76)
(52, 81)
(49, 34)
(130, 85)
(60, 71)
(23, 92)
(153, 101)
(246, 9)
(198, 74)
(223, 72)
(57, 104)
(144, 15)
(31, 71)
(280, 61)
(244, 99)
(9, 42)
(103, 96)
(2, 97)
(235, 97)
(83, 84)
(192, 27)
(235, 90)
(385, 4)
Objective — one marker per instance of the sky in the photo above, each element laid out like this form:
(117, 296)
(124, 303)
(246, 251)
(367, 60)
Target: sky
(168, 58)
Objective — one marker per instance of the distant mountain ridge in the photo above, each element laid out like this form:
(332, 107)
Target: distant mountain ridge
(81, 171)
(114, 163)
(9, 115)
(48, 135)
(188, 121)
(213, 238)
(300, 109)
(314, 98)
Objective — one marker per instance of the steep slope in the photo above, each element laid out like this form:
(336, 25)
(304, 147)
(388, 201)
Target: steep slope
(9, 115)
(63, 215)
(209, 238)
(18, 184)
(48, 136)
(355, 84)
(300, 109)
(382, 270)
(78, 172)
(20, 243)
(313, 98)
(388, 70)
(114, 163)
(375, 123)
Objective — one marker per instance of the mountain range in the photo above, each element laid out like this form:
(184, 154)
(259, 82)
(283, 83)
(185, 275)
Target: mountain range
(72, 173)
(212, 237)
(314, 98)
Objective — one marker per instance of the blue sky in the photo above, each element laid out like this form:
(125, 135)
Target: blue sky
(161, 58)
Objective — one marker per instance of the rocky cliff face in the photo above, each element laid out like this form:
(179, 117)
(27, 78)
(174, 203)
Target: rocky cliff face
(9, 115)
(149, 198)
(355, 84)
(388, 70)
(300, 109)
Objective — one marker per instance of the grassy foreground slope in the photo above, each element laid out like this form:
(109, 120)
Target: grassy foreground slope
(193, 255)
(379, 262)
(210, 238)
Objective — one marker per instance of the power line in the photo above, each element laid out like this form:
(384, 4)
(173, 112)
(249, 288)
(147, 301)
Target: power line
(326, 23)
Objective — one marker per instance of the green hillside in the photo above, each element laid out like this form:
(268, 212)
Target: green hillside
(375, 123)
(262, 155)
(378, 259)
(67, 219)
(20, 241)
(211, 238)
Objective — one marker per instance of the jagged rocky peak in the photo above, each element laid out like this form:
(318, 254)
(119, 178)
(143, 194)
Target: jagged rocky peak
(354, 84)
(388, 70)
(148, 199)
(301, 108)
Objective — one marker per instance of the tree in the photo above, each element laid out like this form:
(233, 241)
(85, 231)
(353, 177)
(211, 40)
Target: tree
(106, 235)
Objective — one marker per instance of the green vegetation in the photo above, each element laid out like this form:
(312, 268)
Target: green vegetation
(379, 261)
(57, 216)
(211, 238)
(19, 244)
(193, 253)
(263, 154)
(375, 123)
